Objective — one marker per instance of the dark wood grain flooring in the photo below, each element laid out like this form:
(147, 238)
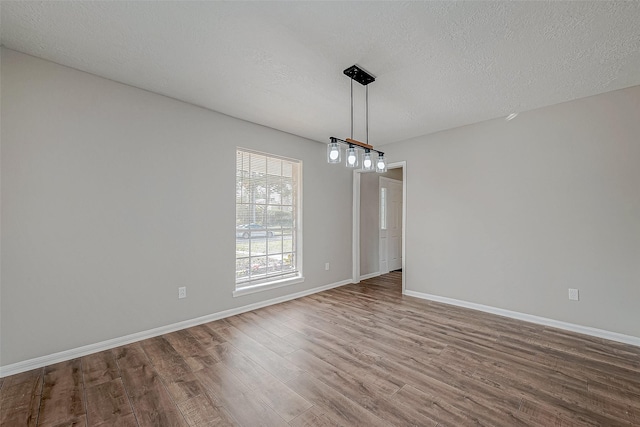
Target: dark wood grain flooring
(356, 355)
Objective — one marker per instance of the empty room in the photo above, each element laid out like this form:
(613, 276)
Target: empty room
(436, 218)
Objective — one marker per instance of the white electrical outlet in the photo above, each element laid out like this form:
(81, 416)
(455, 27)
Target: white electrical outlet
(182, 292)
(574, 295)
(326, 266)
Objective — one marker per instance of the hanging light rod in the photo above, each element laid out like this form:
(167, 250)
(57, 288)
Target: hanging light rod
(334, 153)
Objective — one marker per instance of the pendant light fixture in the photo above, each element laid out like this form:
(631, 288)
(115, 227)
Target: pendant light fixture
(367, 161)
(352, 157)
(333, 152)
(381, 165)
(356, 149)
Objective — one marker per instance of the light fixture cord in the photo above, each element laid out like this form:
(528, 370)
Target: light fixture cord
(367, 114)
(351, 108)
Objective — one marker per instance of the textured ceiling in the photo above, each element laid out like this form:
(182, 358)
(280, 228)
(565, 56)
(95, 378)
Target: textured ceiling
(438, 65)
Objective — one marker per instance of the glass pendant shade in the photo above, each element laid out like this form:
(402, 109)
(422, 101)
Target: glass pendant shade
(381, 164)
(367, 161)
(334, 153)
(352, 158)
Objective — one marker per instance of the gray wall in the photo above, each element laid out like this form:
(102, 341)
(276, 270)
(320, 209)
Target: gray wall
(369, 219)
(512, 214)
(112, 197)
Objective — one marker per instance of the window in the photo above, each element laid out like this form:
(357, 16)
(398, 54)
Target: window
(268, 244)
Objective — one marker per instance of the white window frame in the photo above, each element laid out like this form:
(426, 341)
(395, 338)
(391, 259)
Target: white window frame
(263, 284)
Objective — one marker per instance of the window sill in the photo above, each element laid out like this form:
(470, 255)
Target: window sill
(267, 286)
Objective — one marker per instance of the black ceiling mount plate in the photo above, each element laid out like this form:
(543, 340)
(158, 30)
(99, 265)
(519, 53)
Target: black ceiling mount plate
(359, 75)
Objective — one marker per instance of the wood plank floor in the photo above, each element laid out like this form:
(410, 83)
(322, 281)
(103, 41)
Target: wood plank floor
(356, 355)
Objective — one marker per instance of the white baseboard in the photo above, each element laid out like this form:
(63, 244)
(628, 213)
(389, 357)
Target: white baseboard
(370, 275)
(39, 362)
(586, 330)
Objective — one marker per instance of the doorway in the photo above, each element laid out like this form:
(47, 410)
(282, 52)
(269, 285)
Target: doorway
(390, 226)
(379, 228)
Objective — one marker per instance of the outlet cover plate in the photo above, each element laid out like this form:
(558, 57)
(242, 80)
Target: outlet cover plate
(574, 295)
(182, 292)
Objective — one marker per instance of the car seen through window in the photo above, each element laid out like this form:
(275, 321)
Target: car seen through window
(246, 231)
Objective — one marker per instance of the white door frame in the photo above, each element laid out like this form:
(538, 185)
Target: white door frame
(355, 242)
